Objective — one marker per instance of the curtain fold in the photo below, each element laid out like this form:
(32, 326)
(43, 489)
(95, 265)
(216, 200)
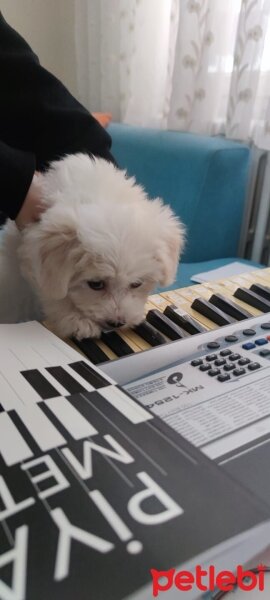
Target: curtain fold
(191, 65)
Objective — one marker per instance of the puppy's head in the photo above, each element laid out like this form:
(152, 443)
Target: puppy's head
(104, 256)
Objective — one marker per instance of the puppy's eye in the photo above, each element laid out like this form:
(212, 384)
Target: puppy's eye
(96, 285)
(136, 284)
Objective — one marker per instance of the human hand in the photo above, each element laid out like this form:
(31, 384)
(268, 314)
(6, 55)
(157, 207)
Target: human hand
(32, 207)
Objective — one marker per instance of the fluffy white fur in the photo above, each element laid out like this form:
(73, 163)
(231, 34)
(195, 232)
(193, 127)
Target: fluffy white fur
(99, 225)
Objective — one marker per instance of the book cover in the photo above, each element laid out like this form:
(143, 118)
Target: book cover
(94, 489)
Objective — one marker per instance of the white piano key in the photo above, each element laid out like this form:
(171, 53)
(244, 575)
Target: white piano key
(125, 405)
(9, 399)
(40, 427)
(12, 445)
(73, 421)
(10, 368)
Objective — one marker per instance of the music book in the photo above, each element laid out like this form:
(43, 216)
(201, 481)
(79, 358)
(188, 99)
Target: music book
(95, 490)
(233, 268)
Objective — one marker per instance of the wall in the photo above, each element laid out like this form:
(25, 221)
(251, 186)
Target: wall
(48, 26)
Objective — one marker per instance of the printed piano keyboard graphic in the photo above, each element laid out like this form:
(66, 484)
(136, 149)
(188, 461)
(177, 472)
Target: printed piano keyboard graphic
(186, 311)
(39, 409)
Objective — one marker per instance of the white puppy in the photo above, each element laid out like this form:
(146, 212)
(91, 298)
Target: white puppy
(99, 249)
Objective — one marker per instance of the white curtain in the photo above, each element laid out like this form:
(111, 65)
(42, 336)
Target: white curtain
(192, 65)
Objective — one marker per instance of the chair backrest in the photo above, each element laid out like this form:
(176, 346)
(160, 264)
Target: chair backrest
(203, 178)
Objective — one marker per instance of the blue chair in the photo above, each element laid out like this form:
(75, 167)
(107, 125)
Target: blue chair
(203, 178)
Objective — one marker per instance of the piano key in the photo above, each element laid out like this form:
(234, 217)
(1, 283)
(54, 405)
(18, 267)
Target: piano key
(116, 343)
(181, 318)
(67, 381)
(126, 335)
(176, 297)
(60, 388)
(163, 324)
(160, 301)
(73, 421)
(21, 391)
(213, 313)
(131, 335)
(252, 299)
(229, 307)
(150, 334)
(95, 378)
(261, 290)
(40, 384)
(90, 349)
(40, 427)
(260, 275)
(125, 405)
(77, 375)
(13, 447)
(227, 288)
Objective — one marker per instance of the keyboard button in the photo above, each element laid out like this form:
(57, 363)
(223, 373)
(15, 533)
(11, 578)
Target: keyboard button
(248, 346)
(237, 372)
(231, 338)
(252, 299)
(265, 352)
(220, 362)
(213, 372)
(265, 325)
(211, 312)
(196, 362)
(253, 366)
(224, 377)
(235, 356)
(261, 342)
(213, 345)
(249, 332)
(211, 357)
(205, 367)
(229, 367)
(226, 352)
(229, 307)
(243, 361)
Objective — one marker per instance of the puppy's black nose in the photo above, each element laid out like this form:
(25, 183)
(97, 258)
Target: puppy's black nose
(114, 324)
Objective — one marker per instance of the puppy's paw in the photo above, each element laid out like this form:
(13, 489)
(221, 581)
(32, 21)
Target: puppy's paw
(76, 326)
(84, 329)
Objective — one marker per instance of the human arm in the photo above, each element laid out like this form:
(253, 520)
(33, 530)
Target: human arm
(40, 121)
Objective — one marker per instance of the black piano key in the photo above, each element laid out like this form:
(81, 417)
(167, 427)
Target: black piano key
(91, 350)
(230, 307)
(150, 334)
(183, 320)
(252, 299)
(261, 290)
(86, 372)
(211, 312)
(116, 343)
(66, 380)
(165, 325)
(40, 384)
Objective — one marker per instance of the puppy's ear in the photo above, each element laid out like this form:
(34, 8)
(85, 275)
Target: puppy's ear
(57, 251)
(170, 244)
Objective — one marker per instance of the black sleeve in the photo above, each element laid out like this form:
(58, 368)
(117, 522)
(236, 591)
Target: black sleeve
(40, 120)
(16, 173)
